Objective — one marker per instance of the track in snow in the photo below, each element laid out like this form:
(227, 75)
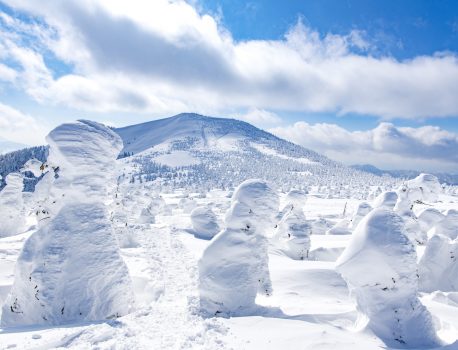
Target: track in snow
(171, 322)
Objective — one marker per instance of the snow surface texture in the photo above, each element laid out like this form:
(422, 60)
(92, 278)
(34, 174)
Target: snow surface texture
(380, 268)
(70, 269)
(235, 265)
(293, 230)
(12, 218)
(204, 222)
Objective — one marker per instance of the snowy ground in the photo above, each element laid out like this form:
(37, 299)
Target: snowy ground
(310, 307)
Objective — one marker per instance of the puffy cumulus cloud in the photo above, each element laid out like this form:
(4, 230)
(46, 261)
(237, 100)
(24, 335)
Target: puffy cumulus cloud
(165, 56)
(260, 117)
(21, 128)
(426, 148)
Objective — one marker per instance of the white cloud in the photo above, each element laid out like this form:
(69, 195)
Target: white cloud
(164, 56)
(21, 128)
(260, 117)
(426, 148)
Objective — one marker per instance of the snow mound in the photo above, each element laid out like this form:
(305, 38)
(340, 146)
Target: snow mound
(386, 200)
(12, 218)
(204, 222)
(234, 267)
(379, 265)
(438, 267)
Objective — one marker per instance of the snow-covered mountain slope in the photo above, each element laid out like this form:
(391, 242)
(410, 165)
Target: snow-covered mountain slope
(191, 150)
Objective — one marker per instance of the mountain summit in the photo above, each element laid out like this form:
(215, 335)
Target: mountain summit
(191, 150)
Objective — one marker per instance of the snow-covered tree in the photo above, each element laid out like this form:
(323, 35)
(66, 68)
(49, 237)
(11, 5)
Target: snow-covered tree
(12, 218)
(438, 267)
(293, 230)
(204, 222)
(404, 208)
(362, 210)
(234, 266)
(428, 218)
(70, 269)
(386, 200)
(380, 268)
(448, 226)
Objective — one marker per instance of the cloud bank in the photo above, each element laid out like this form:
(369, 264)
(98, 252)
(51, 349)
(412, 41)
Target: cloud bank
(425, 148)
(165, 56)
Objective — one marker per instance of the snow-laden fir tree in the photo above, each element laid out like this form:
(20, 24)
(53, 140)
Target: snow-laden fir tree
(448, 226)
(438, 267)
(70, 269)
(379, 266)
(234, 267)
(428, 218)
(204, 222)
(12, 217)
(293, 230)
(404, 208)
(362, 210)
(386, 199)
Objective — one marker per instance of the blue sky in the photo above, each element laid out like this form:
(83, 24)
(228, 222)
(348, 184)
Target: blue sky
(376, 80)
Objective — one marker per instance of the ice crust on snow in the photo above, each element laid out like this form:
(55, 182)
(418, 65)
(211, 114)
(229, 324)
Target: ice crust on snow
(379, 265)
(70, 269)
(234, 266)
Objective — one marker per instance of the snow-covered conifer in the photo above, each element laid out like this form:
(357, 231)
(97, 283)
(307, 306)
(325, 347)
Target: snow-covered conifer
(70, 269)
(204, 222)
(438, 267)
(12, 218)
(362, 210)
(234, 266)
(380, 268)
(293, 230)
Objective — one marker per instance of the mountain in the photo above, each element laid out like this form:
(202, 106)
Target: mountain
(191, 150)
(450, 179)
(10, 146)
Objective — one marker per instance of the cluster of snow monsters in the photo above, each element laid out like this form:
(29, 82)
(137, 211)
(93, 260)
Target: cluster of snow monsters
(70, 269)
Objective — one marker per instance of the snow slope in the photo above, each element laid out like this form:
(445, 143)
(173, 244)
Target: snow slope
(194, 151)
